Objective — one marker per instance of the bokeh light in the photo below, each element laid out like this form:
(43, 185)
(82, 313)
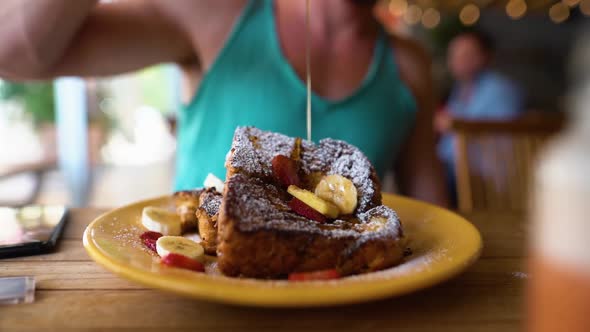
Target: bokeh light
(413, 15)
(398, 7)
(469, 14)
(430, 18)
(516, 9)
(559, 12)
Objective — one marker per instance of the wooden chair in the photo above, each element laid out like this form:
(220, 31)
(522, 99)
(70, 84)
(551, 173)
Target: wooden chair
(494, 160)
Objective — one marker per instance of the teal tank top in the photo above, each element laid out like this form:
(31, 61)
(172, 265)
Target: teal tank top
(251, 83)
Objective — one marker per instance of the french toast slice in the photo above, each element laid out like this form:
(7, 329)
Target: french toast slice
(207, 214)
(260, 236)
(198, 210)
(187, 202)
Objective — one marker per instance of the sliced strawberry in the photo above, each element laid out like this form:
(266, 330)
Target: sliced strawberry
(183, 262)
(306, 211)
(315, 275)
(285, 170)
(149, 239)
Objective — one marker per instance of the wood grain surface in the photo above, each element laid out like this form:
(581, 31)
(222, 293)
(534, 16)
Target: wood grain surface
(75, 294)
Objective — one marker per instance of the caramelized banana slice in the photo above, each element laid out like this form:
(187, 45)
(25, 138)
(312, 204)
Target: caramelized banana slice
(326, 208)
(338, 190)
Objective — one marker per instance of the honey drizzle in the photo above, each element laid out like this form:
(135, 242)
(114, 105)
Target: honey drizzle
(308, 67)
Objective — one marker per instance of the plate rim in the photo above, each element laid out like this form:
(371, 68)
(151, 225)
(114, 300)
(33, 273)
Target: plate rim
(284, 294)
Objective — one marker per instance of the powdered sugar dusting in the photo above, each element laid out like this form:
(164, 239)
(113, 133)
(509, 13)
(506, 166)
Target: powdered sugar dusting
(210, 201)
(338, 157)
(257, 205)
(416, 264)
(126, 235)
(372, 218)
(255, 201)
(253, 150)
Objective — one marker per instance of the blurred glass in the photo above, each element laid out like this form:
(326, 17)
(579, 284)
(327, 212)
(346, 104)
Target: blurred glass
(15, 290)
(559, 292)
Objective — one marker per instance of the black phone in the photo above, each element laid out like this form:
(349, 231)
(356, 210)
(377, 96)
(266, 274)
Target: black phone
(30, 230)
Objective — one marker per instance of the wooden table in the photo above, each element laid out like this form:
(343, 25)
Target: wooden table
(75, 294)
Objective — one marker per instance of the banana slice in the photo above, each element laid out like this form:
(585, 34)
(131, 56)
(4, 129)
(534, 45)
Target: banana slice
(324, 207)
(211, 181)
(338, 190)
(179, 245)
(161, 220)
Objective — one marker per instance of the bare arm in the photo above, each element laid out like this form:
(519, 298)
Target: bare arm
(32, 35)
(419, 172)
(46, 38)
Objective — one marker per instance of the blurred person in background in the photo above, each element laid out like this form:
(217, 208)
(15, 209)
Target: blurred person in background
(370, 89)
(479, 93)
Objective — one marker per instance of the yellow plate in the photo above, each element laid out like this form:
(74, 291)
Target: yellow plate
(443, 245)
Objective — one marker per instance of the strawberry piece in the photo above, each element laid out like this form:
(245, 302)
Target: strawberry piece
(306, 211)
(315, 275)
(149, 239)
(285, 170)
(183, 262)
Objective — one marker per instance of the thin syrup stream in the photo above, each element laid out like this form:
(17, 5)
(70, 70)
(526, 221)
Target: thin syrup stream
(308, 69)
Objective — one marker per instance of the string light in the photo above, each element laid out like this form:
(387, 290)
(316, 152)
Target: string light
(469, 14)
(413, 15)
(559, 12)
(430, 18)
(516, 9)
(398, 7)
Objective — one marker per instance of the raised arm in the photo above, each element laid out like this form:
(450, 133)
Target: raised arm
(40, 39)
(419, 172)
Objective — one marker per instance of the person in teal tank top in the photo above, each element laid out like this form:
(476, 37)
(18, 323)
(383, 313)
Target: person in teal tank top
(370, 89)
(258, 87)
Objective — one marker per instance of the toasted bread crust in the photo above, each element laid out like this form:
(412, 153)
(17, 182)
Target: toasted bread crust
(187, 203)
(259, 236)
(207, 215)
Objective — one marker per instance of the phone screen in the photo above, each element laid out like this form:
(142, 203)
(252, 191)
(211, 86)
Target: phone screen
(29, 224)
